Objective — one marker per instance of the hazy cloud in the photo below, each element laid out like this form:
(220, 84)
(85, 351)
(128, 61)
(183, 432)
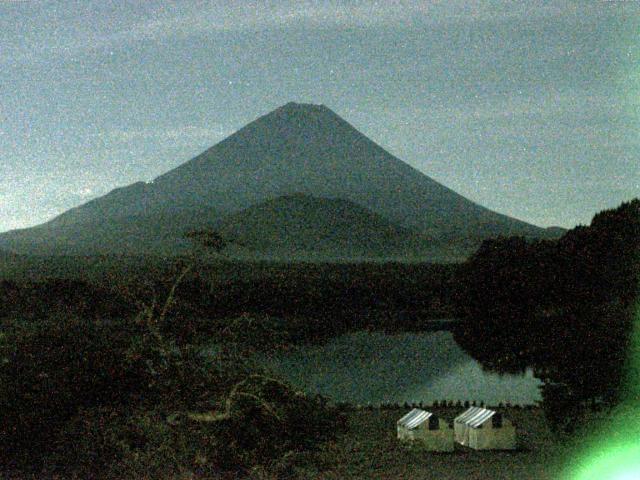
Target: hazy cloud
(70, 33)
(186, 134)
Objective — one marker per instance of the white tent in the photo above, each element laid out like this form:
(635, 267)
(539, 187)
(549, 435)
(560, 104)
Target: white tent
(484, 429)
(432, 432)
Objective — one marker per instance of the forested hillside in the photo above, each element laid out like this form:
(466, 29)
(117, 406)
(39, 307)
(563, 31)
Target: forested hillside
(564, 308)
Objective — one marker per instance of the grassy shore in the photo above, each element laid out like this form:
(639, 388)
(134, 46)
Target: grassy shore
(370, 450)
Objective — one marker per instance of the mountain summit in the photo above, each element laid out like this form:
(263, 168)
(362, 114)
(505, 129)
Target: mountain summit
(296, 149)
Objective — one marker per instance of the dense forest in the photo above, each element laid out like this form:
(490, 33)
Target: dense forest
(302, 302)
(563, 307)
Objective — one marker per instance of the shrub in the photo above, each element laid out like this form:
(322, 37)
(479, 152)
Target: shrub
(256, 332)
(118, 399)
(51, 368)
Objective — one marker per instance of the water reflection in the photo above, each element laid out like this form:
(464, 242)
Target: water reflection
(375, 368)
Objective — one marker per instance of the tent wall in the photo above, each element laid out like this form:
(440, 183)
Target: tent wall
(440, 440)
(492, 439)
(486, 437)
(437, 440)
(459, 431)
(405, 433)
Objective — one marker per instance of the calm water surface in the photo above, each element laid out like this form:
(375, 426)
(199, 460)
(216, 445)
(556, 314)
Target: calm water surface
(376, 368)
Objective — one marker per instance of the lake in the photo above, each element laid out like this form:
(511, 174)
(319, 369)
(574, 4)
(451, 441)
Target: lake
(373, 367)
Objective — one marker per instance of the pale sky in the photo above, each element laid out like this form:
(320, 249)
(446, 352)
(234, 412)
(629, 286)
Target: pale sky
(529, 108)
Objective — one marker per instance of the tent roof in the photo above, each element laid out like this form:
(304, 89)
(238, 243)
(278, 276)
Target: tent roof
(414, 418)
(475, 416)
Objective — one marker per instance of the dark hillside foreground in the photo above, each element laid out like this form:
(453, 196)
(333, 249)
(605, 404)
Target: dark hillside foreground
(86, 399)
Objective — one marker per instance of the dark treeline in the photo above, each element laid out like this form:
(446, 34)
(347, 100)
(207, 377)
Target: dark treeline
(316, 301)
(564, 308)
(39, 299)
(303, 302)
(304, 289)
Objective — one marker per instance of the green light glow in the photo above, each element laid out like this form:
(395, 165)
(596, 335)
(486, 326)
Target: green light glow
(612, 464)
(614, 452)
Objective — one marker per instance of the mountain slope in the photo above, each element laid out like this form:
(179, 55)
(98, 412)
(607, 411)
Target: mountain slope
(296, 227)
(159, 233)
(297, 148)
(304, 227)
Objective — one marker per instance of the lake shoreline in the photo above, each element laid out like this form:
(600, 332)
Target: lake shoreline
(376, 368)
